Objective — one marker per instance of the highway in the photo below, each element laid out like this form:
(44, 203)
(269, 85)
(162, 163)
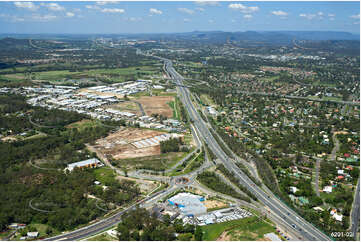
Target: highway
(355, 213)
(290, 219)
(306, 230)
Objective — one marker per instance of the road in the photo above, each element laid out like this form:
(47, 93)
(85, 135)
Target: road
(291, 218)
(140, 108)
(146, 202)
(355, 213)
(317, 187)
(108, 222)
(287, 217)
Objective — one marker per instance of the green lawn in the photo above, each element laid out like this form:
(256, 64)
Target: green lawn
(244, 229)
(174, 106)
(115, 74)
(80, 125)
(155, 162)
(206, 100)
(105, 175)
(36, 136)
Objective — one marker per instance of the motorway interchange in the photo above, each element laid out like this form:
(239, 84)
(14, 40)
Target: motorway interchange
(279, 212)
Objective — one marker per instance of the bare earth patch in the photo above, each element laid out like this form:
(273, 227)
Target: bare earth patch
(209, 204)
(224, 237)
(119, 144)
(157, 104)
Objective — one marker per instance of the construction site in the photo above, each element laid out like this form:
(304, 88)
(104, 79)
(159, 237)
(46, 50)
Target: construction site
(132, 143)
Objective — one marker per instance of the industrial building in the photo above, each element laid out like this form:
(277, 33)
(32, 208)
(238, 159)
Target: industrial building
(90, 163)
(189, 204)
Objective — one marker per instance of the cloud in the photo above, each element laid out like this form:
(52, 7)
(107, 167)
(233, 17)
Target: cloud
(242, 8)
(186, 20)
(70, 14)
(134, 19)
(53, 6)
(355, 16)
(309, 16)
(207, 3)
(28, 5)
(247, 16)
(200, 9)
(318, 15)
(105, 2)
(92, 7)
(155, 11)
(43, 18)
(113, 10)
(186, 10)
(331, 15)
(12, 18)
(279, 13)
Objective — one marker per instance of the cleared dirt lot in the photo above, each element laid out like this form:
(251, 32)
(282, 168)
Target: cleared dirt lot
(157, 104)
(209, 204)
(127, 106)
(119, 144)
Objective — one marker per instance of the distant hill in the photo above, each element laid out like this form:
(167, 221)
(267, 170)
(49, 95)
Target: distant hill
(279, 37)
(12, 43)
(321, 35)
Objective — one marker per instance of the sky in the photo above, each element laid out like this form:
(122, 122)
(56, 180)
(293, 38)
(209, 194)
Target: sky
(85, 17)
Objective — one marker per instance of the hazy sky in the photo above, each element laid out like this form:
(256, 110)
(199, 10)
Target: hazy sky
(156, 17)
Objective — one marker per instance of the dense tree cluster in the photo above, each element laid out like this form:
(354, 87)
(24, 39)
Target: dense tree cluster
(62, 195)
(140, 224)
(211, 180)
(230, 175)
(171, 145)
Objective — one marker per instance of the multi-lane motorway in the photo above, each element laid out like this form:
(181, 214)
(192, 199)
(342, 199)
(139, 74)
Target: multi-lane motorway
(290, 219)
(306, 230)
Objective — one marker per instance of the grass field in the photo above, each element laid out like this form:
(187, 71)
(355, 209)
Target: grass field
(206, 100)
(270, 79)
(156, 162)
(105, 175)
(80, 125)
(175, 108)
(243, 229)
(116, 74)
(195, 161)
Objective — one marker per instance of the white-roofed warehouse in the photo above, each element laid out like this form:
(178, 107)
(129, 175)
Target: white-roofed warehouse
(90, 163)
(189, 204)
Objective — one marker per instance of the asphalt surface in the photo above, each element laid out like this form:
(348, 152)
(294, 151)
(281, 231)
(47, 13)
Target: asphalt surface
(317, 188)
(355, 213)
(291, 218)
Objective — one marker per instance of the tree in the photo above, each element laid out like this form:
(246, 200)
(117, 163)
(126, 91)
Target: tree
(198, 234)
(123, 232)
(48, 230)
